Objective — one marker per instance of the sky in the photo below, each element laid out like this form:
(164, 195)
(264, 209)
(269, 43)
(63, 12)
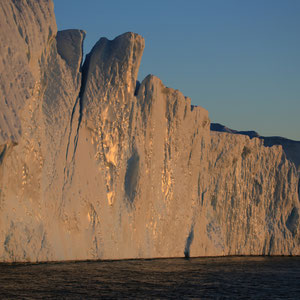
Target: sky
(239, 59)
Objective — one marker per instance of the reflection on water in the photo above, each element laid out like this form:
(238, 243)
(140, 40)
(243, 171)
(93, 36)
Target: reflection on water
(224, 277)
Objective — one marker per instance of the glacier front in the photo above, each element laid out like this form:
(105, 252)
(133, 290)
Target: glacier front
(95, 165)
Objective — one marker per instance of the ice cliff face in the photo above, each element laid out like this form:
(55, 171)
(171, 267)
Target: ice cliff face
(291, 148)
(94, 165)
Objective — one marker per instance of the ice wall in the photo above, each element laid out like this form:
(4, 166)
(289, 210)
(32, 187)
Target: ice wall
(96, 166)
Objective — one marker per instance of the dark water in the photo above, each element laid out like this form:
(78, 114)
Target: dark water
(205, 278)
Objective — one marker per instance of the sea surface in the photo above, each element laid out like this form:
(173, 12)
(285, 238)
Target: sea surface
(202, 278)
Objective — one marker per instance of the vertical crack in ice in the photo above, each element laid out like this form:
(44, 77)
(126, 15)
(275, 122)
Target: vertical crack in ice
(70, 161)
(79, 101)
(77, 130)
(84, 65)
(71, 125)
(84, 77)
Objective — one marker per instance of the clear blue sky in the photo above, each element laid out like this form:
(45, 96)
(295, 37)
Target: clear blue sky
(239, 59)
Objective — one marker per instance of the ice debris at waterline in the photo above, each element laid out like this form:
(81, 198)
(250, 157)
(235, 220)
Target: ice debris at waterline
(94, 166)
